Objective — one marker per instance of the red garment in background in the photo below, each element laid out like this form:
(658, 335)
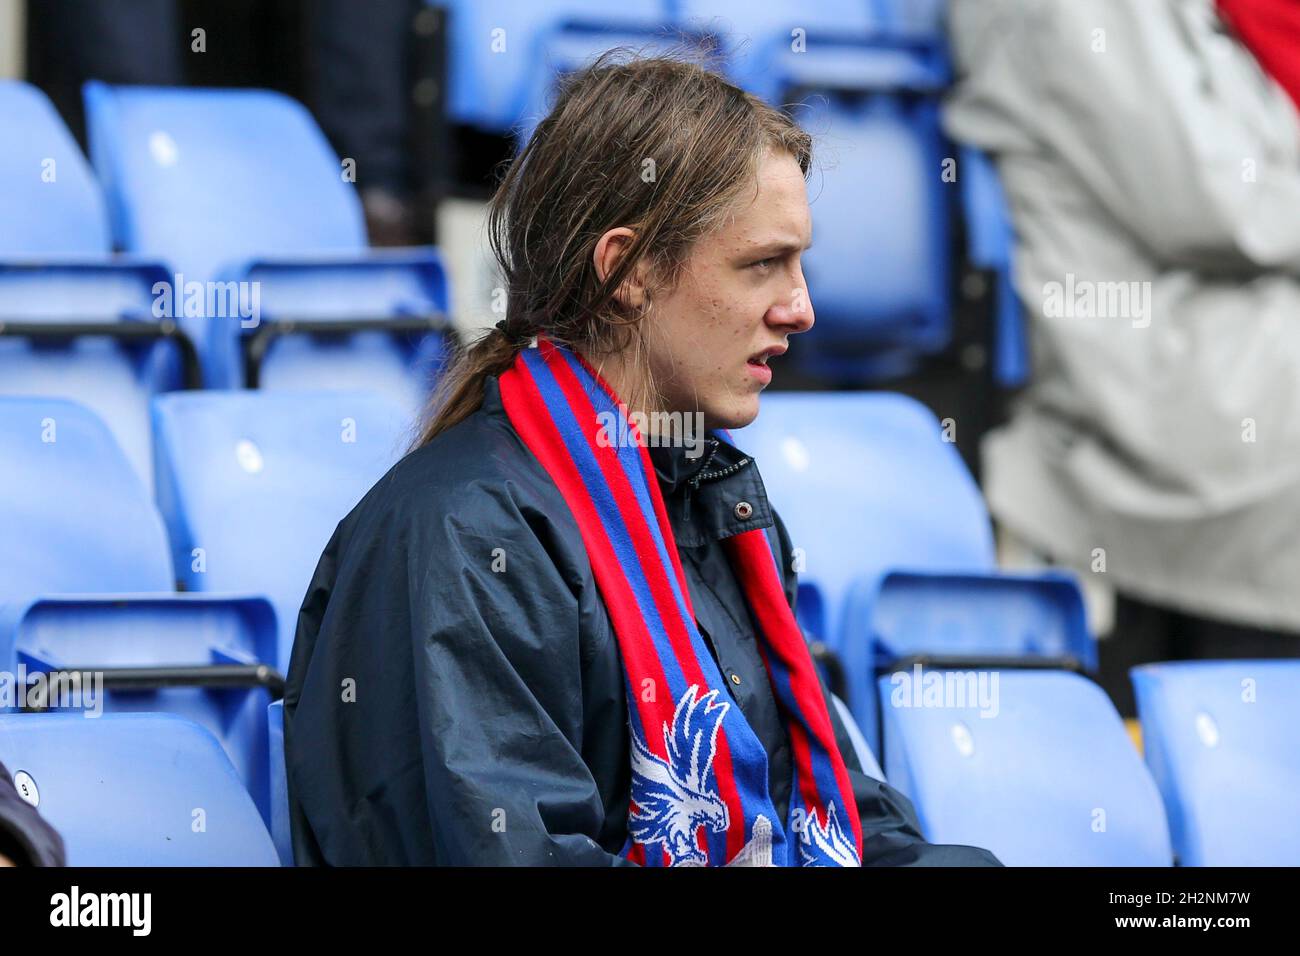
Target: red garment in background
(1271, 31)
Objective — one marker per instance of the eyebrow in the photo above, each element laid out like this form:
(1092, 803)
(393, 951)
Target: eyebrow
(777, 247)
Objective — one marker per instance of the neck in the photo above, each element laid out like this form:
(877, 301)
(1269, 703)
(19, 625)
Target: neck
(626, 375)
(627, 378)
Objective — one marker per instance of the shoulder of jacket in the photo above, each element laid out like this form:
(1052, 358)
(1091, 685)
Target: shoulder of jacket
(477, 475)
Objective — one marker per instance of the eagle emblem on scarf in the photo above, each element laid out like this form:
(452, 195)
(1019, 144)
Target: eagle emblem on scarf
(673, 798)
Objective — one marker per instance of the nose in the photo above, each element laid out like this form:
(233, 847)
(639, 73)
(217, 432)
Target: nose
(794, 314)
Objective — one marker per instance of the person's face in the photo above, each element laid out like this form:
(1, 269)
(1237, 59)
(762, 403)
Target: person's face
(740, 296)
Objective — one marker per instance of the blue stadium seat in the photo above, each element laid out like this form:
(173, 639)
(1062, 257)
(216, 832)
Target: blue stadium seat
(135, 790)
(252, 484)
(279, 785)
(56, 275)
(1220, 739)
(497, 47)
(768, 46)
(51, 206)
(239, 191)
(86, 584)
(973, 615)
(880, 269)
(1048, 778)
(865, 485)
(913, 19)
(570, 46)
(76, 519)
(893, 545)
(867, 76)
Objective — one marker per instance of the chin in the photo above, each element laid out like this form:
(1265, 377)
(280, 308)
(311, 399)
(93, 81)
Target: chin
(736, 414)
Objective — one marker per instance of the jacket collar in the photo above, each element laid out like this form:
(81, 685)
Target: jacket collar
(713, 495)
(708, 496)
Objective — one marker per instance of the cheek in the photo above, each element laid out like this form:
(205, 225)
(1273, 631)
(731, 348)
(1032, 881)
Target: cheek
(727, 311)
(707, 324)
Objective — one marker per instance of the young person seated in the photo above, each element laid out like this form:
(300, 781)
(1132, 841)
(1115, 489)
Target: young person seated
(548, 637)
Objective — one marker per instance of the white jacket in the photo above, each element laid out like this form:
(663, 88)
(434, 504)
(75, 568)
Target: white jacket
(1153, 173)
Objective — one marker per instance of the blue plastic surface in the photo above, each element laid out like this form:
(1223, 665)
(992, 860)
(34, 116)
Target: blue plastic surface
(279, 785)
(893, 542)
(990, 243)
(259, 480)
(90, 632)
(495, 43)
(1050, 778)
(55, 267)
(136, 790)
(865, 484)
(1220, 739)
(265, 205)
(51, 204)
(394, 283)
(74, 516)
(879, 271)
(570, 46)
(88, 579)
(968, 614)
(203, 179)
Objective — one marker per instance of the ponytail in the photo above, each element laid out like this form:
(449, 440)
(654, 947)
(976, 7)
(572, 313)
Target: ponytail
(460, 390)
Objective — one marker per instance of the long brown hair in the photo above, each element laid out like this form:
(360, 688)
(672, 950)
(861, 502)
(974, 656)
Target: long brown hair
(661, 145)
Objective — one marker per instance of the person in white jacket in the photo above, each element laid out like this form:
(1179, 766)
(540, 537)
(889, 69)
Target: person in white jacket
(1152, 168)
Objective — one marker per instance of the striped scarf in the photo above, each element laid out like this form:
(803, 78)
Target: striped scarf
(699, 773)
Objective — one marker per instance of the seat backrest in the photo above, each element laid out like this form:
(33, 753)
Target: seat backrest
(1220, 739)
(751, 32)
(495, 43)
(879, 271)
(252, 484)
(865, 484)
(914, 19)
(135, 790)
(1035, 766)
(207, 179)
(74, 516)
(974, 616)
(50, 204)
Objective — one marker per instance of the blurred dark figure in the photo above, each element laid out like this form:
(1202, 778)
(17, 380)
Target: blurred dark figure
(362, 85)
(25, 838)
(130, 42)
(1150, 153)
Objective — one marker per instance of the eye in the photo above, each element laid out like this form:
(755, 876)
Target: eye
(763, 265)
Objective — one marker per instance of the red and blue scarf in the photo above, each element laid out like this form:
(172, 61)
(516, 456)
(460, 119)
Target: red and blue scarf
(699, 773)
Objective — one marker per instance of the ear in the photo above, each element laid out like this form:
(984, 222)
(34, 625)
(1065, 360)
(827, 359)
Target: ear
(609, 251)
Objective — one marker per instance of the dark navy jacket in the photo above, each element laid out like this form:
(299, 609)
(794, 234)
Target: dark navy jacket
(456, 692)
(25, 838)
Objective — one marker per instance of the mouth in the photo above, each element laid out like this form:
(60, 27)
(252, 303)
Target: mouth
(757, 363)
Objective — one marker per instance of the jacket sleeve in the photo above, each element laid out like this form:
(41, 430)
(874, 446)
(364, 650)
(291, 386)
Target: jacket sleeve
(25, 838)
(891, 832)
(500, 642)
